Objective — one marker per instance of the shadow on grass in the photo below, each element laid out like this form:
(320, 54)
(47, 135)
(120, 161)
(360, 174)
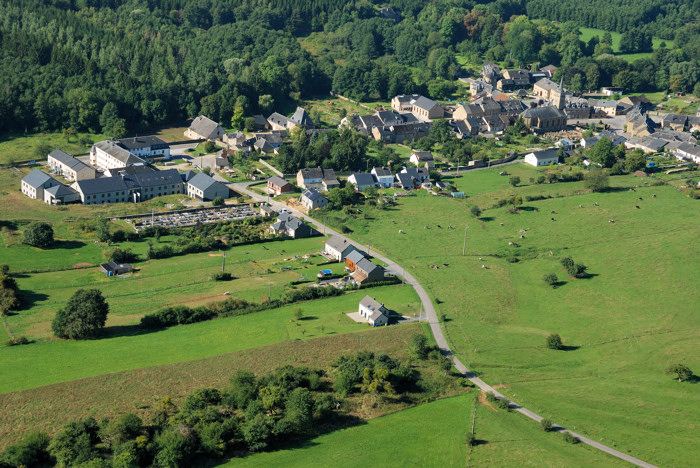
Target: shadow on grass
(486, 219)
(68, 244)
(126, 330)
(559, 284)
(569, 348)
(311, 317)
(31, 298)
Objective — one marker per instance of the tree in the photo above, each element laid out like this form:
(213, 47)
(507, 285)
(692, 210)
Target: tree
(636, 160)
(602, 152)
(476, 211)
(218, 201)
(551, 280)
(596, 180)
(83, 317)
(102, 230)
(681, 371)
(30, 451)
(445, 364)
(298, 313)
(38, 234)
(514, 180)
(119, 430)
(74, 444)
(546, 424)
(554, 341)
(418, 346)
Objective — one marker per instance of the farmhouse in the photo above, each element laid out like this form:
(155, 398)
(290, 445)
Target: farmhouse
(339, 248)
(204, 128)
(278, 185)
(301, 119)
(34, 184)
(202, 187)
(114, 268)
(277, 121)
(288, 225)
(542, 158)
(69, 167)
(383, 176)
(423, 158)
(411, 178)
(362, 181)
(312, 200)
(375, 313)
(108, 154)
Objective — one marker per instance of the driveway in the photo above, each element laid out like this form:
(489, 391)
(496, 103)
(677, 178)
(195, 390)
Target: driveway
(435, 328)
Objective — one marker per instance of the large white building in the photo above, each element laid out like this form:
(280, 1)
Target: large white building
(34, 184)
(109, 154)
(542, 158)
(146, 147)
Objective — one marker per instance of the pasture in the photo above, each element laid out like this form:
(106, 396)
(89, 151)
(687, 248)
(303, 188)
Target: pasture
(434, 434)
(130, 347)
(588, 33)
(624, 324)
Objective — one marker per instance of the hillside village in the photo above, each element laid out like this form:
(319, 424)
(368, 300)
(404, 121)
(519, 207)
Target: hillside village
(269, 233)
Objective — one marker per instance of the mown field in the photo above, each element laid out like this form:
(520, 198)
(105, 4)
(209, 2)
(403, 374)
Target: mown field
(433, 434)
(588, 33)
(624, 324)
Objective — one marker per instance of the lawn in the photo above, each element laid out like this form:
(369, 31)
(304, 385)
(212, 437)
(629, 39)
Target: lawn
(632, 318)
(130, 347)
(434, 434)
(588, 33)
(23, 147)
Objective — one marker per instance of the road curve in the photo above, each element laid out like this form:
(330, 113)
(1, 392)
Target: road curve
(435, 328)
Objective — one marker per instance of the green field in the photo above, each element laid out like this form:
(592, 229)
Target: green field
(632, 318)
(433, 434)
(588, 33)
(131, 347)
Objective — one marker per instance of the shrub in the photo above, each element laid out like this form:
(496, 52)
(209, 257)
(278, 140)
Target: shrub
(551, 279)
(418, 346)
(567, 263)
(546, 424)
(17, 340)
(476, 211)
(540, 179)
(490, 397)
(122, 255)
(470, 439)
(221, 276)
(30, 451)
(554, 341)
(504, 403)
(681, 371)
(218, 201)
(512, 259)
(38, 234)
(568, 437)
(514, 180)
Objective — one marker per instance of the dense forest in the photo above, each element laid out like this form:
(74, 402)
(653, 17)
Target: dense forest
(120, 66)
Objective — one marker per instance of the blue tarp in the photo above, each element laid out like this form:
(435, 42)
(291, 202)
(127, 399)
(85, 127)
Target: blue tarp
(327, 272)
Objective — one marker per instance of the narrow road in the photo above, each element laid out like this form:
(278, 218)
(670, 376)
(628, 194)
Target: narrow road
(242, 188)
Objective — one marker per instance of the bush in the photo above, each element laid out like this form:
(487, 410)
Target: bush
(30, 451)
(38, 234)
(540, 179)
(476, 211)
(546, 425)
(470, 439)
(218, 201)
(554, 341)
(418, 346)
(567, 263)
(504, 403)
(122, 255)
(490, 397)
(568, 437)
(221, 276)
(17, 340)
(514, 180)
(551, 279)
(596, 180)
(512, 259)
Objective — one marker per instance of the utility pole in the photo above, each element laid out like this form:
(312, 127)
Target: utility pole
(464, 248)
(151, 217)
(223, 264)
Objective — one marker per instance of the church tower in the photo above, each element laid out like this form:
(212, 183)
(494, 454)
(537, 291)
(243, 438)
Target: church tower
(559, 96)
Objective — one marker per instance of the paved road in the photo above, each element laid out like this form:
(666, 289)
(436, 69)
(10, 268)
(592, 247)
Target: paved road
(435, 326)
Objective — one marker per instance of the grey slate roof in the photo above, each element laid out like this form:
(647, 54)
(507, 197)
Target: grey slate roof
(382, 172)
(278, 181)
(546, 154)
(376, 307)
(312, 194)
(278, 119)
(362, 179)
(104, 185)
(204, 126)
(37, 178)
(68, 160)
(424, 155)
(201, 181)
(60, 190)
(546, 83)
(424, 103)
(300, 117)
(113, 149)
(156, 178)
(366, 265)
(546, 112)
(355, 256)
(136, 143)
(339, 244)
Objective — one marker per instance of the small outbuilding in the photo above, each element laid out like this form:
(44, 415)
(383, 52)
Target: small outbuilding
(114, 268)
(278, 185)
(542, 158)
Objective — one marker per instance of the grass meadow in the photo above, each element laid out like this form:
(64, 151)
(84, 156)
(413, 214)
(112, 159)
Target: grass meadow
(130, 347)
(434, 434)
(588, 33)
(627, 322)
